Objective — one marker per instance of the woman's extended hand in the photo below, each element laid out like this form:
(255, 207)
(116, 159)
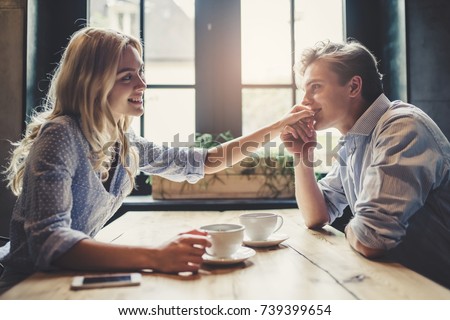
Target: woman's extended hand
(300, 137)
(297, 115)
(183, 253)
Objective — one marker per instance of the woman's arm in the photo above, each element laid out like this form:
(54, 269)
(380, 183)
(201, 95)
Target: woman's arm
(231, 152)
(183, 253)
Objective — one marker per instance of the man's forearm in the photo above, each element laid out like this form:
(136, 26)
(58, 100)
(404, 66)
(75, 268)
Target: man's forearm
(310, 199)
(359, 247)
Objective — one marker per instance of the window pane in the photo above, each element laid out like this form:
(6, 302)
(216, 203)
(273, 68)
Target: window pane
(317, 20)
(169, 41)
(266, 42)
(119, 15)
(136, 125)
(115, 14)
(263, 106)
(169, 112)
(327, 140)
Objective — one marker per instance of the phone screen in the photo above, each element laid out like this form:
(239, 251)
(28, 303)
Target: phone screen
(106, 281)
(91, 280)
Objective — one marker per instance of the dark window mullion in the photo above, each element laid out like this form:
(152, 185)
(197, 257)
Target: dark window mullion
(142, 35)
(294, 96)
(292, 85)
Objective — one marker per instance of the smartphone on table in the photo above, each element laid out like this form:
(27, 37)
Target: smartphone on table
(106, 281)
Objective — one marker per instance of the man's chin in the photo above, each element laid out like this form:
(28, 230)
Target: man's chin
(317, 126)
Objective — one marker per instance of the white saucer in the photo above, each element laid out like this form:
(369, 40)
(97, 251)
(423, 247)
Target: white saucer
(273, 240)
(242, 254)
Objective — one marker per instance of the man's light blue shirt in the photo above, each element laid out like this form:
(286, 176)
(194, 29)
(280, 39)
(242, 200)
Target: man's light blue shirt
(393, 172)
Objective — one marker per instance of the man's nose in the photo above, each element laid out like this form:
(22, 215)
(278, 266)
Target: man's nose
(306, 101)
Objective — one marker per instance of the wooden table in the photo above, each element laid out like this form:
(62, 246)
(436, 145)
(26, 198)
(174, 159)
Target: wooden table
(309, 265)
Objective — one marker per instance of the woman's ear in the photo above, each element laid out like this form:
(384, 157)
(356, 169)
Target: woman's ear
(355, 85)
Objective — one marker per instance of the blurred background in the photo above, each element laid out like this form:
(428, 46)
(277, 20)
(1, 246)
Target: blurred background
(219, 65)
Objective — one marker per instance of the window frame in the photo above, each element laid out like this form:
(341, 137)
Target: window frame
(218, 81)
(218, 87)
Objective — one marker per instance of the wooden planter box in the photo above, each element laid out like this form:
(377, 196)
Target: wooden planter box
(244, 180)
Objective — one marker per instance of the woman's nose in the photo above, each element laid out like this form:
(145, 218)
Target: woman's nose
(141, 84)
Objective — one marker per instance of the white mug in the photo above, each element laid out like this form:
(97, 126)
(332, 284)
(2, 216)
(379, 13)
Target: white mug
(259, 226)
(226, 239)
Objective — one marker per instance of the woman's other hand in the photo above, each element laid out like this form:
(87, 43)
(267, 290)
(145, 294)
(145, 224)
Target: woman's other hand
(183, 253)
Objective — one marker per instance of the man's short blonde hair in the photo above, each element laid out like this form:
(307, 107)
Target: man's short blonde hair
(346, 60)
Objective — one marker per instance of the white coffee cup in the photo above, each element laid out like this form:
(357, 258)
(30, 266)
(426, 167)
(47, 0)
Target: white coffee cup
(259, 226)
(226, 239)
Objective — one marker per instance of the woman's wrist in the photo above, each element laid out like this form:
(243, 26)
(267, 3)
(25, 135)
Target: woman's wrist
(146, 258)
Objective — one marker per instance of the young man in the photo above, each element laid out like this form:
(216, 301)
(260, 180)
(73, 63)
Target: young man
(393, 167)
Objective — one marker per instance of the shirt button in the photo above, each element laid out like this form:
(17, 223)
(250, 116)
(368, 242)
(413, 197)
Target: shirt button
(197, 157)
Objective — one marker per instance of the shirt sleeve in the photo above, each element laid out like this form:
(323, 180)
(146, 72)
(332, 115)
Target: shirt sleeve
(406, 161)
(333, 193)
(174, 163)
(48, 195)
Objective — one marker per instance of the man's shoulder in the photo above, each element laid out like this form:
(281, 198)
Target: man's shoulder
(407, 118)
(401, 108)
(407, 113)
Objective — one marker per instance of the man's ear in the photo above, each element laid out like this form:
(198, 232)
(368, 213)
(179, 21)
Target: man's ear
(355, 85)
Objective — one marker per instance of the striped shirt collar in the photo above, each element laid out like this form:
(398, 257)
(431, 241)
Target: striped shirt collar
(367, 122)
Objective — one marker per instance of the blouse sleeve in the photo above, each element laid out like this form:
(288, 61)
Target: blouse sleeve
(47, 195)
(174, 163)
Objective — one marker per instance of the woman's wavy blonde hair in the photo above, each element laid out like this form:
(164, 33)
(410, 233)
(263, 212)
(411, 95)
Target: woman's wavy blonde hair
(80, 86)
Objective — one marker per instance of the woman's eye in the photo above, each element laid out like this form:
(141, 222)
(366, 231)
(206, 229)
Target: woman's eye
(127, 78)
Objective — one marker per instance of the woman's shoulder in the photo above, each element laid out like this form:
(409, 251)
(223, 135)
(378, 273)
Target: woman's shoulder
(57, 138)
(67, 124)
(68, 120)
(65, 129)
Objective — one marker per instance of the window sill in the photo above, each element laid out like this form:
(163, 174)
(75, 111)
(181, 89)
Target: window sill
(147, 203)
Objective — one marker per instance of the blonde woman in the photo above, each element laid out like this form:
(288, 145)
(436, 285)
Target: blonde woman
(78, 161)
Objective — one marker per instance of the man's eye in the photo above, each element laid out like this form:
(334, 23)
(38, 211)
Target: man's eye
(314, 87)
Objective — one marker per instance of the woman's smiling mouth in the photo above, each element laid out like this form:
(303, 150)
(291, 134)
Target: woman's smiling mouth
(135, 100)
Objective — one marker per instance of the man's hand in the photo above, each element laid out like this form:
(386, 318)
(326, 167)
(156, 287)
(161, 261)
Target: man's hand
(300, 138)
